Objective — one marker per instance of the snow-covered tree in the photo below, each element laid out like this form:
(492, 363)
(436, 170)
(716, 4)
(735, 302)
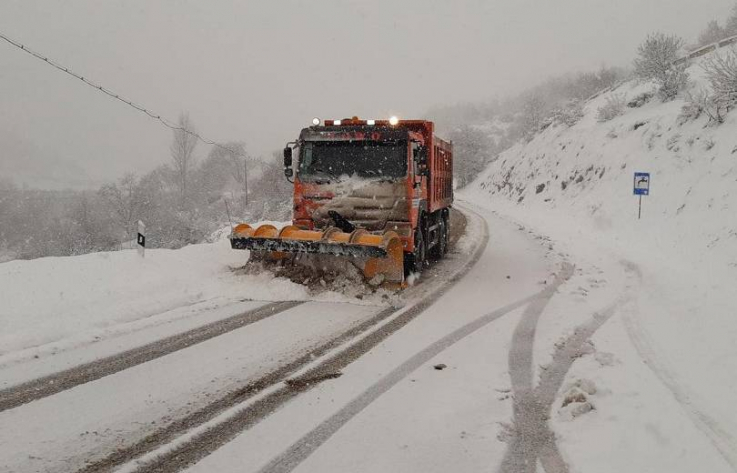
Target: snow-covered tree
(655, 61)
(721, 71)
(569, 113)
(613, 107)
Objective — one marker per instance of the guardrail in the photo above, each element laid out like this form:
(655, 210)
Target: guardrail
(707, 49)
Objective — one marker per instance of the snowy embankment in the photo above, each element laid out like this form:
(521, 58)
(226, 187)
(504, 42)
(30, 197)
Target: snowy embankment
(574, 184)
(51, 303)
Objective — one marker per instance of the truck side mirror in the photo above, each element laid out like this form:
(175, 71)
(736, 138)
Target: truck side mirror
(288, 172)
(287, 157)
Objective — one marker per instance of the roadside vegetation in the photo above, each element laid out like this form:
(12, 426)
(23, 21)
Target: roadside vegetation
(481, 131)
(181, 202)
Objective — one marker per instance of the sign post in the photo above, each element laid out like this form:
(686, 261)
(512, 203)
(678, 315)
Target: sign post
(641, 187)
(141, 239)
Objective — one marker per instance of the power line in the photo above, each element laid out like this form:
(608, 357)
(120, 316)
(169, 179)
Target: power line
(106, 91)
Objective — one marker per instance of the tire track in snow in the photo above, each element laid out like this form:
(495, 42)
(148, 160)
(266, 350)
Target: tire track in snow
(531, 431)
(181, 455)
(533, 439)
(54, 383)
(230, 400)
(304, 447)
(723, 441)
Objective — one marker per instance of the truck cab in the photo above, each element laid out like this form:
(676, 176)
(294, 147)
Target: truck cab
(376, 175)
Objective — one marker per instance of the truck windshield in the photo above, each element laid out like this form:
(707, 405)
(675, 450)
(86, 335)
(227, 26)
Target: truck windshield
(333, 160)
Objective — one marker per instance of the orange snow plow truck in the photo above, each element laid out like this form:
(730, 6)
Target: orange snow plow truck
(373, 193)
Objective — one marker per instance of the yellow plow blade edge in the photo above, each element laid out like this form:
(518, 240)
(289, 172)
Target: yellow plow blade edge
(380, 256)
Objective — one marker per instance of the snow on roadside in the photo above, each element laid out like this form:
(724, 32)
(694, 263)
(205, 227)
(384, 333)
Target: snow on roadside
(472, 236)
(574, 185)
(51, 299)
(634, 423)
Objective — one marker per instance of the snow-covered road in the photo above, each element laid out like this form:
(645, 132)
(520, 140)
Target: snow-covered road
(509, 354)
(70, 427)
(391, 410)
(507, 398)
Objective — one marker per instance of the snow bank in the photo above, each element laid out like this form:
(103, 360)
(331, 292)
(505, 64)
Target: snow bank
(50, 299)
(575, 185)
(582, 177)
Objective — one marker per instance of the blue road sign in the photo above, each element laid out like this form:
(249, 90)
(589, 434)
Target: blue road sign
(642, 183)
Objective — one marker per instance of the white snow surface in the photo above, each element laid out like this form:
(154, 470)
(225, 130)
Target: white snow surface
(574, 186)
(50, 303)
(62, 432)
(431, 421)
(659, 377)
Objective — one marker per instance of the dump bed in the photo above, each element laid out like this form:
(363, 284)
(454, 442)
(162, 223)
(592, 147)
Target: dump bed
(440, 191)
(440, 164)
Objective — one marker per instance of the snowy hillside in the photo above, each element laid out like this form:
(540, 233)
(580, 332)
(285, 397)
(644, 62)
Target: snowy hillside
(586, 172)
(575, 186)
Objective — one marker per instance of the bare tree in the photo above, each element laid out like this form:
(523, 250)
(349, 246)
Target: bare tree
(533, 115)
(124, 202)
(182, 154)
(235, 154)
(712, 33)
(656, 62)
(272, 191)
(472, 151)
(731, 27)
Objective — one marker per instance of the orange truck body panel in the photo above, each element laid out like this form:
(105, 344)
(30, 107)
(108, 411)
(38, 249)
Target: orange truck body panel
(427, 193)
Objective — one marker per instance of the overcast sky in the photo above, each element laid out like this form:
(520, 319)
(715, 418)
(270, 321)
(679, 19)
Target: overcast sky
(258, 71)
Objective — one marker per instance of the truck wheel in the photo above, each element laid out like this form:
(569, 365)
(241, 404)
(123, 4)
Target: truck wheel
(443, 238)
(416, 260)
(446, 219)
(438, 251)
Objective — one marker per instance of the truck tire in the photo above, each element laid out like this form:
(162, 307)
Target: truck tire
(441, 246)
(415, 261)
(446, 219)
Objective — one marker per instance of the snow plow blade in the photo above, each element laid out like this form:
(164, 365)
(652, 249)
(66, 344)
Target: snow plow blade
(379, 256)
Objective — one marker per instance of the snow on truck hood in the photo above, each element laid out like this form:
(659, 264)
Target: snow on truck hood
(366, 202)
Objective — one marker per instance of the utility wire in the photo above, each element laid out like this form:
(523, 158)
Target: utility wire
(106, 91)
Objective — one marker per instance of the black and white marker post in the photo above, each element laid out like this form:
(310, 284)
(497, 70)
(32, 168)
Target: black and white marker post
(141, 239)
(642, 187)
